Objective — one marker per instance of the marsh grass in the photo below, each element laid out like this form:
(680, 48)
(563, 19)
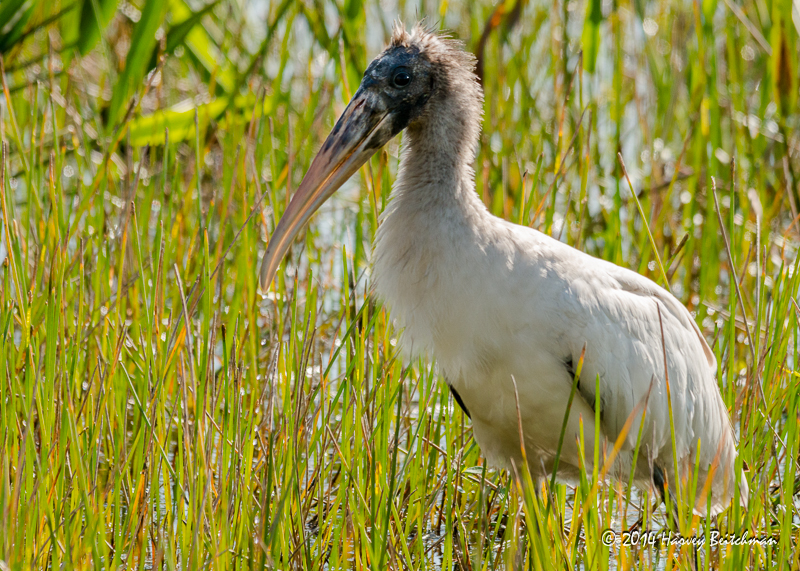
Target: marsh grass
(286, 430)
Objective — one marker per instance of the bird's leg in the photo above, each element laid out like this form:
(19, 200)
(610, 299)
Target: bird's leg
(637, 525)
(664, 493)
(661, 484)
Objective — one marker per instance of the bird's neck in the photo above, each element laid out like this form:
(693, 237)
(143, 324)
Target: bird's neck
(434, 212)
(433, 228)
(436, 167)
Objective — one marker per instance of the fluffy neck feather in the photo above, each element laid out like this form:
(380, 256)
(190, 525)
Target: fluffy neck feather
(439, 148)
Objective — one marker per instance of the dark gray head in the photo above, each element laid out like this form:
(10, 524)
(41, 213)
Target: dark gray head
(423, 81)
(417, 72)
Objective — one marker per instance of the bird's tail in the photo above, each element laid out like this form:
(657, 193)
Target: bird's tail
(724, 479)
(744, 489)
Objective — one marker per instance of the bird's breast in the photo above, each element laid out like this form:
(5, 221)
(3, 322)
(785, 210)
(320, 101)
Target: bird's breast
(420, 274)
(454, 289)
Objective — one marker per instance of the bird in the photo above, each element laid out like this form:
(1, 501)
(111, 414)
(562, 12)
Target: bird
(510, 314)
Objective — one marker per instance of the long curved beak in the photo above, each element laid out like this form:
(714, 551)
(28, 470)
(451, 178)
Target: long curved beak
(363, 128)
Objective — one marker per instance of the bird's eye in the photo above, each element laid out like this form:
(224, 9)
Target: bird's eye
(401, 77)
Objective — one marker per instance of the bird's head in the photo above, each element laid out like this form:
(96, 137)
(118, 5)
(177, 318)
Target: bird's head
(419, 71)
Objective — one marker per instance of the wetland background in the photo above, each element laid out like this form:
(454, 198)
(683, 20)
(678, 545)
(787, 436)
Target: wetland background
(149, 147)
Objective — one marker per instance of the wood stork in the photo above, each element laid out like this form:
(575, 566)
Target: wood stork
(508, 311)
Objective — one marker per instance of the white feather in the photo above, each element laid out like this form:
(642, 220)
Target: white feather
(497, 303)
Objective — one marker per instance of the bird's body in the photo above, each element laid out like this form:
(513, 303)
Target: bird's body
(509, 312)
(493, 300)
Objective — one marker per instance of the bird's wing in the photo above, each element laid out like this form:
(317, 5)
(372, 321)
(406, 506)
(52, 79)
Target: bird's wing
(627, 326)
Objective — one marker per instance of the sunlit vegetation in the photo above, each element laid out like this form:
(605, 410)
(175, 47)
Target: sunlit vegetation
(157, 410)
